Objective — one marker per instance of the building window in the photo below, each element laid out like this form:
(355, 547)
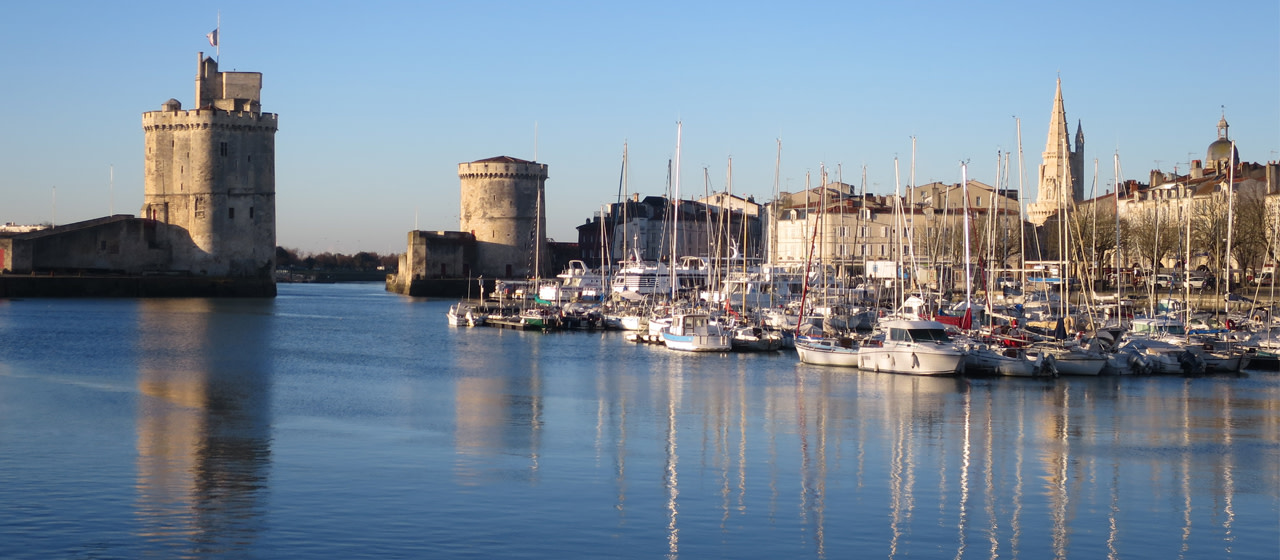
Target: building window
(231, 213)
(250, 212)
(199, 206)
(223, 148)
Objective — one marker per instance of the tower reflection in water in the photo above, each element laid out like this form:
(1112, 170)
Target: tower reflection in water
(498, 415)
(203, 426)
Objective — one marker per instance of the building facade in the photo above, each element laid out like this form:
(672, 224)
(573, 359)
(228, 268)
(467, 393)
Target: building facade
(1194, 204)
(844, 230)
(652, 228)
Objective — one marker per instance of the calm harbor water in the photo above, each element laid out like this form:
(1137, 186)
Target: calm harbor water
(339, 421)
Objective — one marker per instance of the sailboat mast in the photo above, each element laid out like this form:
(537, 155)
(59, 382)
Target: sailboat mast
(1231, 215)
(773, 223)
(1093, 195)
(808, 262)
(991, 231)
(968, 272)
(911, 229)
(537, 243)
(1022, 216)
(862, 209)
(898, 286)
(675, 217)
(626, 253)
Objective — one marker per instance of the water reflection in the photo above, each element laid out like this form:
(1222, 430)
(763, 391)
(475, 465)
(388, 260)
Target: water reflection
(203, 423)
(1076, 432)
(695, 449)
(498, 411)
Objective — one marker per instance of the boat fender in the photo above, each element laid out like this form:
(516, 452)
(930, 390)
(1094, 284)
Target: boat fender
(915, 360)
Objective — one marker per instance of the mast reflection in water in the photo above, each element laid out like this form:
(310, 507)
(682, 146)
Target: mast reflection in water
(341, 421)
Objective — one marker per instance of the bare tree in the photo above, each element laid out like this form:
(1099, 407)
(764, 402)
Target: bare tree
(1150, 238)
(1209, 229)
(1249, 238)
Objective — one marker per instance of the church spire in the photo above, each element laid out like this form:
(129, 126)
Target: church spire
(1057, 125)
(1059, 163)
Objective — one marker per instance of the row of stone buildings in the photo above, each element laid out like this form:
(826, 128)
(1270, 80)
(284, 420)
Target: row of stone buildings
(844, 228)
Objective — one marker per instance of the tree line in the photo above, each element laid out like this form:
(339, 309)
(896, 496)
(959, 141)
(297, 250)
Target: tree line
(1151, 239)
(365, 261)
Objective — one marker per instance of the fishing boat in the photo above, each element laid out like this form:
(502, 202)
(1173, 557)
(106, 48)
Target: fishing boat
(911, 347)
(695, 332)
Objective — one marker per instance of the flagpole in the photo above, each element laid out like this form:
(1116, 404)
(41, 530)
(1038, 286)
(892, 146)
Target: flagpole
(217, 48)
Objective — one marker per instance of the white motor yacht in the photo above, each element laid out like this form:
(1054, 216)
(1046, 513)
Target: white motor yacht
(912, 347)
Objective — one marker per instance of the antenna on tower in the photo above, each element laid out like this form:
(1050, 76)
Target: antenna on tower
(535, 140)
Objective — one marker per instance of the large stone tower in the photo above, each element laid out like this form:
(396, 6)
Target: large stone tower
(1061, 170)
(504, 206)
(210, 173)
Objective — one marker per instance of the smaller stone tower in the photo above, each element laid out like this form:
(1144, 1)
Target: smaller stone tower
(504, 206)
(210, 175)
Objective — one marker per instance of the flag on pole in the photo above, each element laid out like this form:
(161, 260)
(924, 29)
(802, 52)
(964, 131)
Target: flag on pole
(213, 38)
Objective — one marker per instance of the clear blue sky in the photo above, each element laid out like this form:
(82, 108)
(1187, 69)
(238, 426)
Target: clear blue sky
(379, 101)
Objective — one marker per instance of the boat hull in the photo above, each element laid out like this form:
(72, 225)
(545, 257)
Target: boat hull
(827, 353)
(992, 362)
(910, 360)
(696, 342)
(1080, 366)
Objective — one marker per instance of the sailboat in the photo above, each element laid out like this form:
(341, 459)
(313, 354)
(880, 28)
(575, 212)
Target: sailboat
(689, 331)
(1004, 356)
(818, 349)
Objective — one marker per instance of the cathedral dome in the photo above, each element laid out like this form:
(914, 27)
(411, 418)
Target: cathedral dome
(1220, 150)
